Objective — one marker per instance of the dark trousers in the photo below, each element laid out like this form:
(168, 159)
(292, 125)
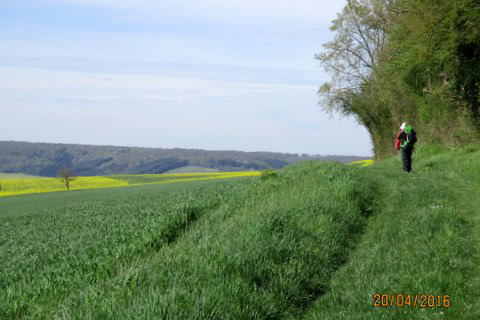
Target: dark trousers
(407, 159)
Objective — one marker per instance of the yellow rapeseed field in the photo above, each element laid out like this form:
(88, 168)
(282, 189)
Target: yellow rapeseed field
(40, 185)
(362, 163)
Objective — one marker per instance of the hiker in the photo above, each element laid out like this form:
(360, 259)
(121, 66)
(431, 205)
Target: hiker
(405, 140)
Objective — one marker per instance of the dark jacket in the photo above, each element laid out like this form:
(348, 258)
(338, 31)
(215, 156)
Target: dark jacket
(411, 137)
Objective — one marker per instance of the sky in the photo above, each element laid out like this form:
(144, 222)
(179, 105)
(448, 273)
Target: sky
(197, 74)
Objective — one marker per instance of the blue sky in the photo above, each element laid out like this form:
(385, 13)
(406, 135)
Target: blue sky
(212, 74)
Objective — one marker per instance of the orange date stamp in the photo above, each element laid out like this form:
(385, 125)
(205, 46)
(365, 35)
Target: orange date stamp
(412, 300)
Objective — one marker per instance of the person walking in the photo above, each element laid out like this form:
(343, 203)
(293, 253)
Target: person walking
(406, 139)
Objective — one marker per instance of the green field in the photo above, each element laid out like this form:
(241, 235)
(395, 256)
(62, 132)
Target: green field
(48, 200)
(312, 241)
(19, 186)
(190, 169)
(14, 176)
(136, 179)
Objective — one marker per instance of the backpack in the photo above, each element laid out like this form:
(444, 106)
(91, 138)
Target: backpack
(397, 141)
(413, 136)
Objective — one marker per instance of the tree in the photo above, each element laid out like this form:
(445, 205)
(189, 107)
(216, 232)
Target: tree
(406, 60)
(353, 55)
(66, 176)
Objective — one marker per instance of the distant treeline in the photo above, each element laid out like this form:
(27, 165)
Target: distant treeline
(45, 159)
(406, 60)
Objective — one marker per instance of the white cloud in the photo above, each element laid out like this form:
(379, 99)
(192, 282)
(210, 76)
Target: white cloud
(221, 10)
(206, 74)
(137, 87)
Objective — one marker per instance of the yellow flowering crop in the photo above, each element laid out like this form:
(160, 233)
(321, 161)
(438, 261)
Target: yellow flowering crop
(41, 185)
(362, 163)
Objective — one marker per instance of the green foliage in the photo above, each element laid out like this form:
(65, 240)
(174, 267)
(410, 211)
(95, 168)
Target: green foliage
(426, 75)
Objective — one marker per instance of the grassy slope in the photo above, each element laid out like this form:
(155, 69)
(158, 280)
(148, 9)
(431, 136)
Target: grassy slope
(251, 251)
(424, 240)
(313, 241)
(265, 254)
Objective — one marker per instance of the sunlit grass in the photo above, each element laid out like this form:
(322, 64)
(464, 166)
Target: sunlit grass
(311, 241)
(189, 254)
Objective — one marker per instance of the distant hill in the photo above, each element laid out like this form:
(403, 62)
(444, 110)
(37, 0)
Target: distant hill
(45, 159)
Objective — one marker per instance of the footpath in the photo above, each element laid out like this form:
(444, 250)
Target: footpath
(419, 257)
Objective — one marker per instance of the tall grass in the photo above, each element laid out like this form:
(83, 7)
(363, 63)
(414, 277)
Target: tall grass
(314, 240)
(49, 255)
(256, 250)
(264, 257)
(424, 240)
